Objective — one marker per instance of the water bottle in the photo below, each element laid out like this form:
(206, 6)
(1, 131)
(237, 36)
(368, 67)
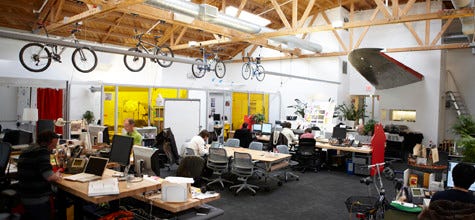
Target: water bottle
(100, 137)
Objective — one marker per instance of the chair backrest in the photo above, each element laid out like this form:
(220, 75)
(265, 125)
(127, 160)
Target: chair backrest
(189, 152)
(307, 146)
(243, 161)
(5, 150)
(277, 138)
(215, 144)
(255, 145)
(283, 149)
(191, 166)
(217, 155)
(232, 142)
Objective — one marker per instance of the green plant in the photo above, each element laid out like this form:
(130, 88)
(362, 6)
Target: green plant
(350, 112)
(258, 118)
(465, 126)
(468, 151)
(88, 116)
(369, 126)
(299, 108)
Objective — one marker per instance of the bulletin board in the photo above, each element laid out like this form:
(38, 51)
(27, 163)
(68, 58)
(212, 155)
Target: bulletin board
(183, 117)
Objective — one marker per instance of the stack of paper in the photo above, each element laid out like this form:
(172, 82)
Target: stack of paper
(109, 186)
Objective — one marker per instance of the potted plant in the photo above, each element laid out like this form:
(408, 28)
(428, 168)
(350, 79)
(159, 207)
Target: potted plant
(88, 116)
(465, 127)
(369, 127)
(299, 108)
(258, 118)
(350, 113)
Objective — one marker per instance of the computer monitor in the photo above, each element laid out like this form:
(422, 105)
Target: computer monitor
(217, 117)
(278, 122)
(256, 127)
(94, 131)
(18, 137)
(143, 156)
(339, 133)
(266, 128)
(120, 149)
(450, 181)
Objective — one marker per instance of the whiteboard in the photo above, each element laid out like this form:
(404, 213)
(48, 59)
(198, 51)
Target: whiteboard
(183, 117)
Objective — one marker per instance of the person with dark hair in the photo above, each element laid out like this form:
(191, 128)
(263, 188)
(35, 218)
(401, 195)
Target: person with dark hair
(35, 175)
(288, 133)
(244, 135)
(464, 176)
(198, 143)
(129, 126)
(307, 133)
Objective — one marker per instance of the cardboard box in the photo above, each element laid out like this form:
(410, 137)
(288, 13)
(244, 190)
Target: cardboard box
(176, 189)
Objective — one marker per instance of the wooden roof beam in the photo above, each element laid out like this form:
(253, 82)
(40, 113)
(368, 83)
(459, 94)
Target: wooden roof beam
(180, 36)
(241, 6)
(337, 36)
(281, 14)
(306, 13)
(295, 7)
(112, 27)
(43, 14)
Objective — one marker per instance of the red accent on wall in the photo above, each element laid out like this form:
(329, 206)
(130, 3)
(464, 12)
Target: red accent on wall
(50, 105)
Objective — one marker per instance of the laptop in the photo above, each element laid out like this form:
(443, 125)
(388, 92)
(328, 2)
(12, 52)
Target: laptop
(93, 171)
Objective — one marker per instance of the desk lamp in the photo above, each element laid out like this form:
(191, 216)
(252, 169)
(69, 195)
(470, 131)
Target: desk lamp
(31, 115)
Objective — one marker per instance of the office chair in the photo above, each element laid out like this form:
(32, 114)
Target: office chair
(244, 168)
(284, 149)
(256, 145)
(232, 142)
(191, 166)
(306, 154)
(218, 161)
(5, 150)
(215, 144)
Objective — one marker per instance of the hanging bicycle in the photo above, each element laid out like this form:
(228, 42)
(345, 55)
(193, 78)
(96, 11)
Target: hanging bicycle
(253, 69)
(201, 66)
(36, 57)
(137, 63)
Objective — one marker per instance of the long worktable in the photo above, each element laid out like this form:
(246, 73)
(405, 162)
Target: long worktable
(365, 149)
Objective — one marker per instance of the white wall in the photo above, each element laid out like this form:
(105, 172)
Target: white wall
(82, 100)
(8, 109)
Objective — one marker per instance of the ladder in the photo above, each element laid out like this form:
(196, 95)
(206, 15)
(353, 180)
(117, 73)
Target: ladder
(455, 99)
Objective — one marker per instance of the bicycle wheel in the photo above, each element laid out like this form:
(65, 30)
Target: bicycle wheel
(198, 68)
(246, 71)
(134, 63)
(260, 73)
(84, 59)
(166, 52)
(219, 69)
(35, 57)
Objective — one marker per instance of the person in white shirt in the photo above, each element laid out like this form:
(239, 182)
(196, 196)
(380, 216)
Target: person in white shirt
(198, 143)
(288, 133)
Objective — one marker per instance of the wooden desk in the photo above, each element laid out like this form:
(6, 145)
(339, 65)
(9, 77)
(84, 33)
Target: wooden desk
(80, 189)
(156, 200)
(263, 138)
(263, 156)
(364, 150)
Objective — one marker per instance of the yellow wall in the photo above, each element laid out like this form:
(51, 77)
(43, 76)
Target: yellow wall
(240, 104)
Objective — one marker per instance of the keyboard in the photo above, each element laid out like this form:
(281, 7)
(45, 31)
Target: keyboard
(82, 177)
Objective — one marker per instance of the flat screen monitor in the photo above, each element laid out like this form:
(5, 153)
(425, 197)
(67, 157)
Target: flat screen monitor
(143, 154)
(257, 127)
(18, 137)
(217, 117)
(120, 149)
(450, 181)
(339, 133)
(266, 128)
(94, 130)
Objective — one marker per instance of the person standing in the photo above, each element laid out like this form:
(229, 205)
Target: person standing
(35, 175)
(129, 126)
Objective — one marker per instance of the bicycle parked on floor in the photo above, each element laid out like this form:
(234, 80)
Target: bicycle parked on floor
(36, 57)
(137, 63)
(201, 66)
(252, 69)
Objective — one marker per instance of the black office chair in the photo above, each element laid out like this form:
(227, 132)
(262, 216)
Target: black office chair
(5, 150)
(306, 154)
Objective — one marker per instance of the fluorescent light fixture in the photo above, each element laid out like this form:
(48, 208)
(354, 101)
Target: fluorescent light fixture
(183, 18)
(246, 16)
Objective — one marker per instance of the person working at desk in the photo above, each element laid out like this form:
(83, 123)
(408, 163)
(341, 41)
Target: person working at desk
(198, 143)
(288, 133)
(244, 135)
(307, 134)
(35, 175)
(129, 126)
(464, 176)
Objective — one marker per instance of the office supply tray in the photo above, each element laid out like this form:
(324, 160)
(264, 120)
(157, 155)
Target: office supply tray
(361, 204)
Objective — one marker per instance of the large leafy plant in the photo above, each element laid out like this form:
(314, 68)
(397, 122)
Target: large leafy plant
(258, 118)
(465, 127)
(350, 112)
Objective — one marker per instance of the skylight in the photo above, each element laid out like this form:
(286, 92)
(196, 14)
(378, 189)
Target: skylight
(251, 18)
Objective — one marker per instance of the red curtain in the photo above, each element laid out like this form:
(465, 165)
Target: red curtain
(50, 105)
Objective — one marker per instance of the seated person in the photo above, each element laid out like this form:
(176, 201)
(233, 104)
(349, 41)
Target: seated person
(198, 143)
(129, 127)
(307, 134)
(288, 133)
(244, 135)
(463, 175)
